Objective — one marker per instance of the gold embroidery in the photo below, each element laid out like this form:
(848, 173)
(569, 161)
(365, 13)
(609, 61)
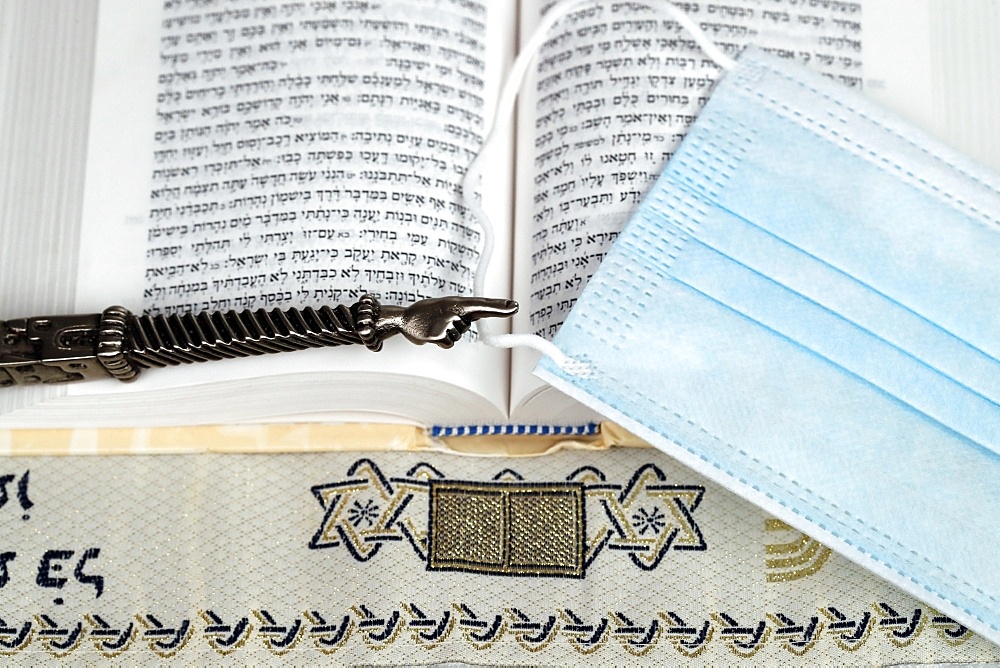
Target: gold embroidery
(641, 520)
(534, 635)
(900, 629)
(426, 631)
(162, 640)
(479, 633)
(328, 638)
(108, 641)
(278, 639)
(506, 528)
(360, 510)
(57, 641)
(468, 529)
(795, 636)
(948, 629)
(850, 633)
(804, 552)
(427, 628)
(22, 637)
(583, 637)
(743, 641)
(689, 640)
(377, 632)
(531, 540)
(635, 639)
(225, 638)
(645, 519)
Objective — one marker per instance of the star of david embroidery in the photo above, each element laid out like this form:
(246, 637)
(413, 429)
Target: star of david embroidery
(352, 516)
(644, 518)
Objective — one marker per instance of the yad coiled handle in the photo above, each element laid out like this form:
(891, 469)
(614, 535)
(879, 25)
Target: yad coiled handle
(116, 343)
(112, 337)
(158, 341)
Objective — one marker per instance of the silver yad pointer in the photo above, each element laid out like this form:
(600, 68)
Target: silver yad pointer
(118, 344)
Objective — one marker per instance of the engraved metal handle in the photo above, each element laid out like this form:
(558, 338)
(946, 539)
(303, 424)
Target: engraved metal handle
(118, 344)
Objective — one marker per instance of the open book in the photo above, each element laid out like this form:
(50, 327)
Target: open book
(248, 155)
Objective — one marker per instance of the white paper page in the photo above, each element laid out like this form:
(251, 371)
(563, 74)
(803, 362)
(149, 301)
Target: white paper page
(899, 32)
(615, 88)
(291, 155)
(936, 64)
(46, 60)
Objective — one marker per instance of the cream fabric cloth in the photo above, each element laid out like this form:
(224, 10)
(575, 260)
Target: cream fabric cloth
(395, 558)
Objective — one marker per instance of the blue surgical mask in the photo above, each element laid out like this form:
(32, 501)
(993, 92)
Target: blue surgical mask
(806, 308)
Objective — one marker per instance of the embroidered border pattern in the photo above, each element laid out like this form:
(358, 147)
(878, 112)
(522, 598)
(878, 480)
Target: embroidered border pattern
(644, 518)
(479, 631)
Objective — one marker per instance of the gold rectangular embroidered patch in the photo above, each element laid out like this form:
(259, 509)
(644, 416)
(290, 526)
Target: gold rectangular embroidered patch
(506, 528)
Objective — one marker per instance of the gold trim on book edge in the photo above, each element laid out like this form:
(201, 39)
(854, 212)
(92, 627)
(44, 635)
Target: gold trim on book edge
(293, 437)
(251, 438)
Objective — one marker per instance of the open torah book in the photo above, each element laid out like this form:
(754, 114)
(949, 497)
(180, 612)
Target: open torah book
(261, 155)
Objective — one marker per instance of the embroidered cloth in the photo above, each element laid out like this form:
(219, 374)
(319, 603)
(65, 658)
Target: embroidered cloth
(387, 558)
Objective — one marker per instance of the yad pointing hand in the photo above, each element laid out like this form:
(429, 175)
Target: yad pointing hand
(441, 320)
(119, 344)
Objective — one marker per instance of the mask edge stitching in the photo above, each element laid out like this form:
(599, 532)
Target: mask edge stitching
(928, 188)
(871, 530)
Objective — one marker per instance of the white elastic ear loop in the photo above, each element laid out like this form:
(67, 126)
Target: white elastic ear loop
(505, 111)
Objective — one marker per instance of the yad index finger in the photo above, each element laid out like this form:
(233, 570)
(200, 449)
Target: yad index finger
(474, 308)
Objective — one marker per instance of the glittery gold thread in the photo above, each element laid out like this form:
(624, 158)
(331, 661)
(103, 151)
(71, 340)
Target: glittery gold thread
(506, 528)
(804, 551)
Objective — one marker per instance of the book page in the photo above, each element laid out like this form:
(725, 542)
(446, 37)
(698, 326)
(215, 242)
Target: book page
(936, 64)
(613, 91)
(45, 75)
(275, 154)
